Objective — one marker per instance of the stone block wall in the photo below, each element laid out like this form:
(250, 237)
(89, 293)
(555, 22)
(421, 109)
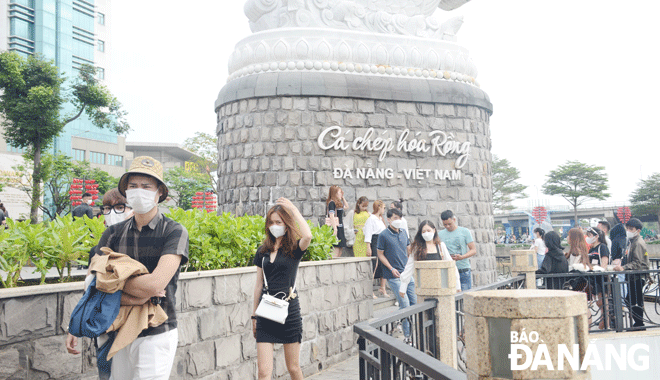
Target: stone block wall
(268, 148)
(215, 330)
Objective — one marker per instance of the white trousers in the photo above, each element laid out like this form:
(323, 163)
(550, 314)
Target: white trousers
(150, 357)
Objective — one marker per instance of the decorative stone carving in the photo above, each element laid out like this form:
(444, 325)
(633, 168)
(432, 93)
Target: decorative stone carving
(411, 17)
(363, 37)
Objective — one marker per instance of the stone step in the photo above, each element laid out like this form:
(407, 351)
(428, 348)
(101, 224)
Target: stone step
(383, 302)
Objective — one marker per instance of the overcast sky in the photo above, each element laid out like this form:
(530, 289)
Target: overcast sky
(568, 79)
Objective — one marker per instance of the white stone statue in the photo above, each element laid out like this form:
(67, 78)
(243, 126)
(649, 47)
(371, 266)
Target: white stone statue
(403, 17)
(391, 38)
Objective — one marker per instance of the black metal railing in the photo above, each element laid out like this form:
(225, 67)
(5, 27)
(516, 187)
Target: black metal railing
(517, 282)
(384, 356)
(617, 301)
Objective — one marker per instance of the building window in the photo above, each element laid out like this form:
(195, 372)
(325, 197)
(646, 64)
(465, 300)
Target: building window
(97, 158)
(14, 149)
(100, 73)
(115, 160)
(78, 154)
(100, 46)
(100, 18)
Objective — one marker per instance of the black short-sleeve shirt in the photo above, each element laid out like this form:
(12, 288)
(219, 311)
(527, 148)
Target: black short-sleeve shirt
(281, 274)
(597, 252)
(162, 236)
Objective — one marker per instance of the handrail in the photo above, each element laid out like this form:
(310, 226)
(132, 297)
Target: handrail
(428, 365)
(402, 313)
(494, 285)
(390, 353)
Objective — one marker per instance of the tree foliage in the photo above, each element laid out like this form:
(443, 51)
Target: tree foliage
(646, 198)
(577, 182)
(206, 147)
(30, 101)
(183, 184)
(506, 188)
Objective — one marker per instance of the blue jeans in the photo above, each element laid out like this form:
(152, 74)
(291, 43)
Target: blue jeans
(466, 279)
(410, 298)
(539, 259)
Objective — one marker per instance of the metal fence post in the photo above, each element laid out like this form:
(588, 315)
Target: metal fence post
(617, 304)
(362, 347)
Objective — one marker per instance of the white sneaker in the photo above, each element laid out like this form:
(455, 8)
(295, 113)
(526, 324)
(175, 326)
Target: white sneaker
(396, 303)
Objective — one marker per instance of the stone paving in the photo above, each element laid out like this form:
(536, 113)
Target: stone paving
(346, 370)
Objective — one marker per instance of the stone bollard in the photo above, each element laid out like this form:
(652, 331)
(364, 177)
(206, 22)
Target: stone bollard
(524, 262)
(437, 279)
(507, 330)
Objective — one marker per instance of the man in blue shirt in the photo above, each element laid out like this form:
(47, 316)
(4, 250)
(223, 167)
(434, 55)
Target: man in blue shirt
(393, 254)
(460, 245)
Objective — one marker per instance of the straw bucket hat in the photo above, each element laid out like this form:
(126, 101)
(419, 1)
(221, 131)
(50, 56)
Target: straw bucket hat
(147, 166)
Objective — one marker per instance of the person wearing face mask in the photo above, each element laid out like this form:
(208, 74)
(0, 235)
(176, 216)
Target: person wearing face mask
(115, 208)
(425, 246)
(461, 246)
(599, 254)
(161, 244)
(636, 258)
(85, 208)
(554, 260)
(392, 249)
(399, 205)
(287, 237)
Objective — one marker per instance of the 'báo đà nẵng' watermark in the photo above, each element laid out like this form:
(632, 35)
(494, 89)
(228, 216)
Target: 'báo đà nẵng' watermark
(621, 356)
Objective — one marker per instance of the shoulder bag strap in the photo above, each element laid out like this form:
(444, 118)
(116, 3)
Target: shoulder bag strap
(264, 273)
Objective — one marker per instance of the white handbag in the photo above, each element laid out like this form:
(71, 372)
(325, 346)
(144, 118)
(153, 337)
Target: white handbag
(271, 307)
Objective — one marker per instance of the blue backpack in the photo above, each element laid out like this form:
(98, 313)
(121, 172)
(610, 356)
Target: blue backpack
(95, 312)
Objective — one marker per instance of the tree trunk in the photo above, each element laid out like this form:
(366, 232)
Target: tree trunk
(577, 222)
(36, 183)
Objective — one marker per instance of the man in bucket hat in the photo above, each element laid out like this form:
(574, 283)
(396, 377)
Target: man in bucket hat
(161, 244)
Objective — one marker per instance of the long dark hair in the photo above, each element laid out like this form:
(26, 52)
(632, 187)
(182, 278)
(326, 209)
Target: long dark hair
(419, 244)
(539, 231)
(360, 201)
(291, 235)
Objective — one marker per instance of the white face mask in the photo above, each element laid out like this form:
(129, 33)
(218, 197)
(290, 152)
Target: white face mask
(114, 218)
(141, 200)
(397, 223)
(630, 235)
(428, 236)
(591, 240)
(277, 231)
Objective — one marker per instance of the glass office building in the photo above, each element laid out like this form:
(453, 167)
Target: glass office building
(69, 32)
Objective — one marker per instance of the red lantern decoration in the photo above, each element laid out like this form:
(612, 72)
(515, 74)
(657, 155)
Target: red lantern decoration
(540, 213)
(624, 214)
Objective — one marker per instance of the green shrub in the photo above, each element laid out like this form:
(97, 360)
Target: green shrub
(216, 242)
(58, 243)
(225, 241)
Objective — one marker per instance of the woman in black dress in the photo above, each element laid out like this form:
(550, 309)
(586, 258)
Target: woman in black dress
(287, 238)
(335, 210)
